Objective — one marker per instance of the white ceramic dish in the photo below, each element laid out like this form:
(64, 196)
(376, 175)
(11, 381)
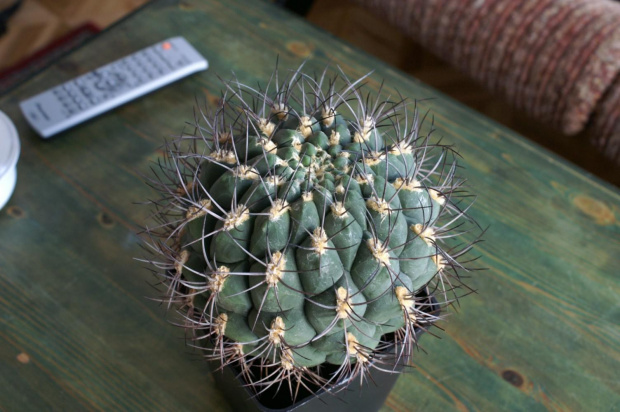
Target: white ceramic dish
(9, 153)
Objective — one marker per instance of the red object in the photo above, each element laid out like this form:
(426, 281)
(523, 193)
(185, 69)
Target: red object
(166, 46)
(557, 60)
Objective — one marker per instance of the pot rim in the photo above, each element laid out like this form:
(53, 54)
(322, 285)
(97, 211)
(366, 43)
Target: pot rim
(433, 308)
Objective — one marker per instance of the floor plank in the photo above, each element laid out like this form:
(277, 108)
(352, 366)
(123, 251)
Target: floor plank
(39, 22)
(370, 33)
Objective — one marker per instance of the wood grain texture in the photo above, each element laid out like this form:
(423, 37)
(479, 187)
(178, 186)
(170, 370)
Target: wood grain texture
(38, 23)
(77, 332)
(360, 26)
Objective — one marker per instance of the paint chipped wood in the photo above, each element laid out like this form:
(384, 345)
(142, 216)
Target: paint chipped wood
(540, 333)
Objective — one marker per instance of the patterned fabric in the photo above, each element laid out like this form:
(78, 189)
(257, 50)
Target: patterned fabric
(554, 59)
(605, 128)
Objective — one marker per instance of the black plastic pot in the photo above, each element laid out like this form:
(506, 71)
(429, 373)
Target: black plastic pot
(348, 396)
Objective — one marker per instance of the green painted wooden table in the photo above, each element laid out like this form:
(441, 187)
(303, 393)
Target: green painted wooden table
(78, 333)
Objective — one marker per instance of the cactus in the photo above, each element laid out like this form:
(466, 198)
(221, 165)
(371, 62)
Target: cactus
(298, 225)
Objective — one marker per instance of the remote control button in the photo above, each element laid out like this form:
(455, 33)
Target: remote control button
(118, 82)
(110, 81)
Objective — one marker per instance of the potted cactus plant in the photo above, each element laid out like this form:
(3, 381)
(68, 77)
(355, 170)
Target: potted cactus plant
(303, 229)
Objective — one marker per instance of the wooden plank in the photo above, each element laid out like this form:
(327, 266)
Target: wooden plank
(362, 27)
(541, 333)
(40, 22)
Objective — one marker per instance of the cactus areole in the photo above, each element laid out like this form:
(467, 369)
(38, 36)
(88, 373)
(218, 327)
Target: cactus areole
(298, 224)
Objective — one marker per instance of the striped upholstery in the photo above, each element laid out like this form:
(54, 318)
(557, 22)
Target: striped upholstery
(605, 127)
(555, 59)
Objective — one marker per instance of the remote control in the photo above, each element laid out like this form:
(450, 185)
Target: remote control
(110, 86)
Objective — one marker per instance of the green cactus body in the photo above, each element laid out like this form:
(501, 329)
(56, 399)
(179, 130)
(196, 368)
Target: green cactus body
(310, 242)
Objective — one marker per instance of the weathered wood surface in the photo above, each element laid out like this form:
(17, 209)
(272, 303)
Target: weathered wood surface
(77, 332)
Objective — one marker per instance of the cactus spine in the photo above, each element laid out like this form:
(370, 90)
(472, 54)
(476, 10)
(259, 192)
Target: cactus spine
(298, 225)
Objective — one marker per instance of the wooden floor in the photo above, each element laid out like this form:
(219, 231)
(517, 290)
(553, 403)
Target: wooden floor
(365, 30)
(39, 22)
